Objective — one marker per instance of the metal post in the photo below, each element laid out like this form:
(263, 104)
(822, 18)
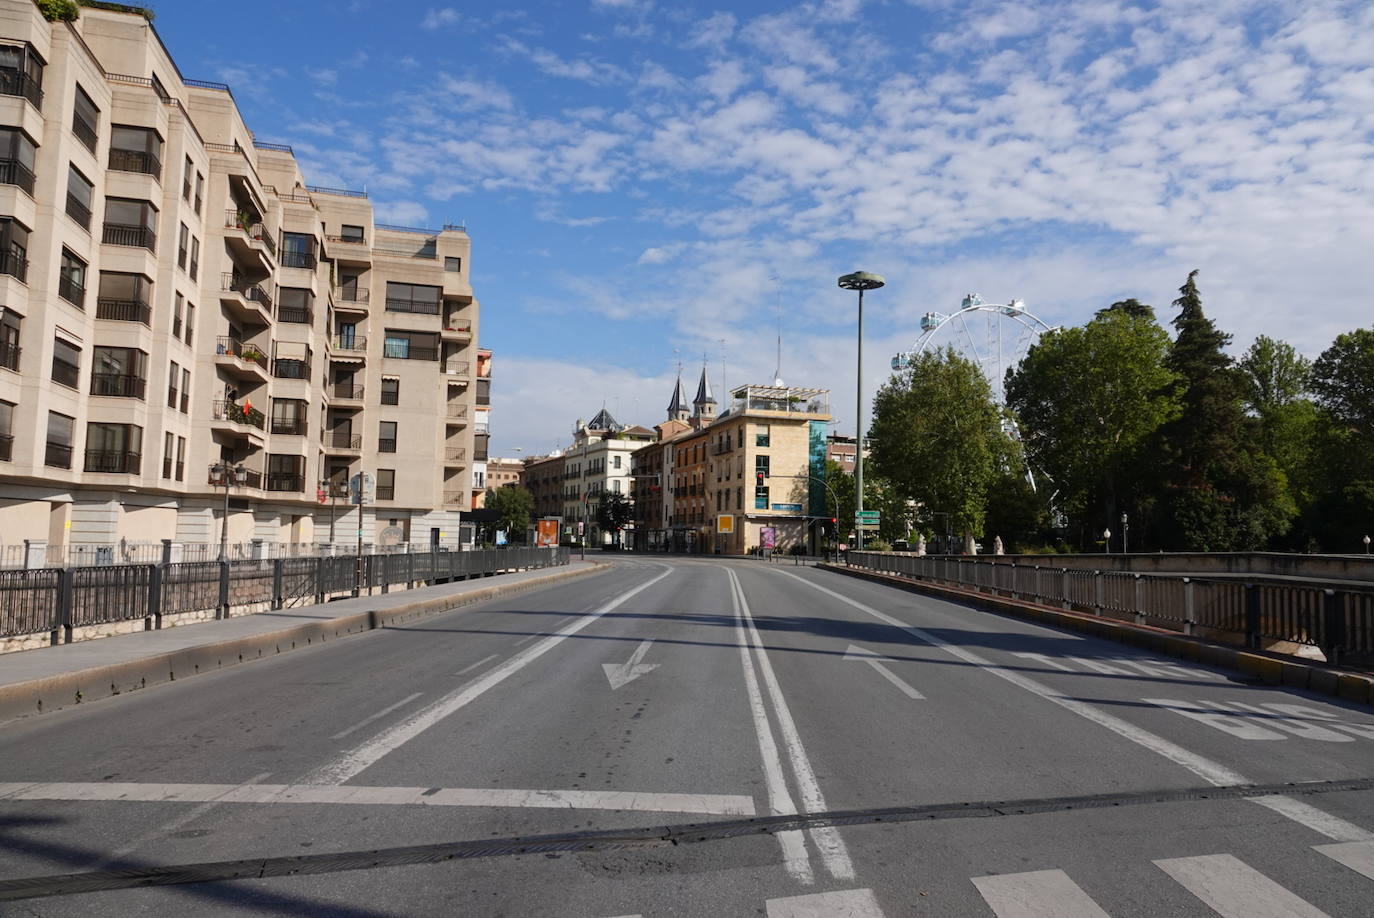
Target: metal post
(1333, 626)
(222, 609)
(277, 583)
(362, 502)
(224, 521)
(1252, 616)
(1139, 591)
(859, 433)
(1189, 622)
(153, 620)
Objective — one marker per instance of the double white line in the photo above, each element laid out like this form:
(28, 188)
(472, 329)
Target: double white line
(827, 840)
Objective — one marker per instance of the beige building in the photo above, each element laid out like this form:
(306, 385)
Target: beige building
(599, 461)
(175, 300)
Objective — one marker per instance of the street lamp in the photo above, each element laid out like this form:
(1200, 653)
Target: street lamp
(860, 281)
(1106, 541)
(1366, 545)
(229, 475)
(1125, 534)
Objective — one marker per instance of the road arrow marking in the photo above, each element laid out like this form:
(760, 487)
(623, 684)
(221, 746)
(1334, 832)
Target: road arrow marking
(619, 674)
(855, 652)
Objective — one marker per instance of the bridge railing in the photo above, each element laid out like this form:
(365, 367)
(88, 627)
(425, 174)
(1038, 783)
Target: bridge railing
(1338, 620)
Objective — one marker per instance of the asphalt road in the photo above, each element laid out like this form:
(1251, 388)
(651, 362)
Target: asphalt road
(681, 736)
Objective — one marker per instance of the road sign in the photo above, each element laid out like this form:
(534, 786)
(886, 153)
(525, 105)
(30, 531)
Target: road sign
(725, 523)
(868, 516)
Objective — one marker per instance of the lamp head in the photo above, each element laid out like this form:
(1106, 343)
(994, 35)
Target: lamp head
(861, 280)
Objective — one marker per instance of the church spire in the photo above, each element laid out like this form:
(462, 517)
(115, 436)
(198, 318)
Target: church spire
(677, 408)
(704, 405)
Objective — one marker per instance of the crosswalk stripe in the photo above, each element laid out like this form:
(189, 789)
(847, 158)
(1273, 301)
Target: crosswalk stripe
(1038, 894)
(848, 903)
(1358, 856)
(1233, 889)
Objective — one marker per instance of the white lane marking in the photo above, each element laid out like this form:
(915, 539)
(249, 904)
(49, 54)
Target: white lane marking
(1291, 725)
(351, 763)
(848, 903)
(827, 839)
(382, 713)
(1305, 814)
(1046, 660)
(1097, 666)
(1038, 894)
(1233, 889)
(619, 674)
(795, 858)
(353, 794)
(471, 666)
(1328, 718)
(1220, 720)
(1358, 856)
(527, 638)
(855, 652)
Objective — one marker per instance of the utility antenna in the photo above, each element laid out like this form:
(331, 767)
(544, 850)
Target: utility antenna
(724, 385)
(777, 311)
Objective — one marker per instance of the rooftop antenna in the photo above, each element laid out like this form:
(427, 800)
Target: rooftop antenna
(777, 310)
(723, 382)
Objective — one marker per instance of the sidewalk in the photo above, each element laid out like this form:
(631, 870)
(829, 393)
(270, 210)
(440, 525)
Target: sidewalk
(48, 678)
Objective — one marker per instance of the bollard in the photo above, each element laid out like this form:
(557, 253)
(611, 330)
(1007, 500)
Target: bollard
(1252, 616)
(277, 598)
(222, 609)
(153, 620)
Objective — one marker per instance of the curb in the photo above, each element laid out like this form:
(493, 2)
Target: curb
(52, 693)
(1270, 668)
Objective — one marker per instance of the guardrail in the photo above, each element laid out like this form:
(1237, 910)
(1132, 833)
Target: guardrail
(1338, 621)
(58, 601)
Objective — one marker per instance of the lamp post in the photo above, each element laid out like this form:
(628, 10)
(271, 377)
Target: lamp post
(860, 281)
(1125, 534)
(1366, 545)
(230, 475)
(1106, 541)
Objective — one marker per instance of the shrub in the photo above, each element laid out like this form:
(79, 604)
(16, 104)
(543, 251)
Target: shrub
(59, 10)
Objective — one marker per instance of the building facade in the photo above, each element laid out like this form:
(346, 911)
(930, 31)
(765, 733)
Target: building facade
(543, 477)
(185, 323)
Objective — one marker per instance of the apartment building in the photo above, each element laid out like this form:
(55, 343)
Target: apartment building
(598, 462)
(502, 473)
(184, 320)
(481, 427)
(543, 476)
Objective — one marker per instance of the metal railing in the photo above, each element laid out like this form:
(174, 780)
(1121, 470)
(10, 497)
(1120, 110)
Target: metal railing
(237, 414)
(290, 368)
(9, 355)
(293, 259)
(119, 385)
(85, 133)
(135, 161)
(350, 343)
(71, 291)
(119, 310)
(113, 461)
(232, 347)
(78, 211)
(127, 234)
(13, 172)
(14, 265)
(18, 83)
(386, 445)
(254, 293)
(58, 455)
(457, 411)
(1338, 621)
(6, 447)
(352, 294)
(345, 391)
(421, 307)
(291, 427)
(132, 583)
(285, 482)
(411, 352)
(455, 453)
(344, 192)
(295, 315)
(341, 439)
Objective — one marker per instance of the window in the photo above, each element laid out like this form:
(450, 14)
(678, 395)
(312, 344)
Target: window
(386, 484)
(9, 340)
(114, 448)
(386, 440)
(285, 473)
(349, 289)
(351, 233)
(421, 298)
(135, 149)
(129, 221)
(66, 363)
(195, 257)
(119, 371)
(168, 444)
(181, 459)
(761, 435)
(14, 248)
(200, 188)
(453, 265)
(16, 159)
(615, 485)
(61, 430)
(183, 237)
(85, 120)
(21, 73)
(176, 316)
(404, 345)
(761, 465)
(391, 390)
(173, 376)
(124, 297)
(185, 390)
(297, 250)
(6, 431)
(80, 197)
(190, 322)
(186, 180)
(71, 280)
(289, 417)
(294, 305)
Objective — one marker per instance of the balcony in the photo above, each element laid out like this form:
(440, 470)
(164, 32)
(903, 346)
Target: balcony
(351, 298)
(285, 482)
(245, 362)
(6, 447)
(78, 211)
(248, 302)
(249, 239)
(455, 455)
(459, 368)
(342, 441)
(459, 333)
(289, 259)
(252, 478)
(14, 266)
(119, 310)
(386, 445)
(290, 368)
(419, 307)
(295, 315)
(119, 385)
(85, 133)
(113, 462)
(349, 249)
(385, 492)
(457, 415)
(456, 497)
(13, 172)
(18, 83)
(135, 161)
(234, 413)
(349, 346)
(411, 352)
(342, 392)
(127, 234)
(290, 427)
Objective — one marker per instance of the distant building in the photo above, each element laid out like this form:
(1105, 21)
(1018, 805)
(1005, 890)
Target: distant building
(543, 477)
(598, 462)
(503, 473)
(840, 449)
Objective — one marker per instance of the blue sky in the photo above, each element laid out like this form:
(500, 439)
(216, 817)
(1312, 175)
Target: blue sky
(647, 181)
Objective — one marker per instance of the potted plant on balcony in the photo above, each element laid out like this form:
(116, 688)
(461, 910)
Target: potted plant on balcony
(252, 352)
(243, 219)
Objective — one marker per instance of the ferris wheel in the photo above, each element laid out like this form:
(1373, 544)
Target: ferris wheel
(995, 336)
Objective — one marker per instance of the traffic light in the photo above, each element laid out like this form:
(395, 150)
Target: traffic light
(758, 479)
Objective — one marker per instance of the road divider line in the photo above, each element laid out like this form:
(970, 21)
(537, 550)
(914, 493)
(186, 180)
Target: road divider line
(471, 666)
(827, 838)
(1215, 773)
(355, 761)
(794, 855)
(382, 713)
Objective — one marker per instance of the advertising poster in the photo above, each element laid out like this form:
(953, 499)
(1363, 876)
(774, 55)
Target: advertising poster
(546, 536)
(768, 537)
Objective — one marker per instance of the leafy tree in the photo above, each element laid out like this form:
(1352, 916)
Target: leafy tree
(937, 437)
(1274, 384)
(1343, 504)
(1088, 399)
(513, 506)
(1016, 511)
(1218, 490)
(1343, 380)
(614, 512)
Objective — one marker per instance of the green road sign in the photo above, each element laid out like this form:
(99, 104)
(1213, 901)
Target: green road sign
(868, 516)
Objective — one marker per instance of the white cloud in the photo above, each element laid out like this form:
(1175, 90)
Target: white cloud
(654, 256)
(438, 18)
(472, 94)
(713, 31)
(401, 213)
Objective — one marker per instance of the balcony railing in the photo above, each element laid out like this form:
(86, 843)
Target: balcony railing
(280, 482)
(9, 356)
(232, 347)
(68, 374)
(85, 133)
(58, 455)
(290, 368)
(410, 353)
(290, 259)
(291, 427)
(107, 307)
(455, 453)
(135, 161)
(351, 294)
(71, 291)
(295, 315)
(111, 461)
(13, 172)
(78, 211)
(14, 265)
(238, 414)
(455, 497)
(350, 343)
(126, 234)
(386, 492)
(415, 306)
(386, 445)
(346, 391)
(255, 230)
(252, 478)
(457, 411)
(18, 83)
(458, 367)
(342, 439)
(349, 240)
(119, 385)
(253, 293)
(6, 447)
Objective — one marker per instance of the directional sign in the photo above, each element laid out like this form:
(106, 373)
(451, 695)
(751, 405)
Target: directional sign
(619, 674)
(868, 516)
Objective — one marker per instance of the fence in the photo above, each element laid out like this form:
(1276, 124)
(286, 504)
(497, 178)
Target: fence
(38, 554)
(1338, 621)
(57, 600)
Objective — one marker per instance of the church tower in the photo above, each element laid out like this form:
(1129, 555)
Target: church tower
(677, 408)
(704, 405)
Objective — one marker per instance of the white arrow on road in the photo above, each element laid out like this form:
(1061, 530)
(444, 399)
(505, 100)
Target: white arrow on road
(619, 674)
(855, 652)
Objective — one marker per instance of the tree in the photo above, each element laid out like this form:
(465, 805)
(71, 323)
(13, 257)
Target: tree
(1274, 383)
(513, 507)
(1219, 491)
(1343, 380)
(1088, 399)
(1343, 486)
(936, 437)
(614, 512)
(1132, 307)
